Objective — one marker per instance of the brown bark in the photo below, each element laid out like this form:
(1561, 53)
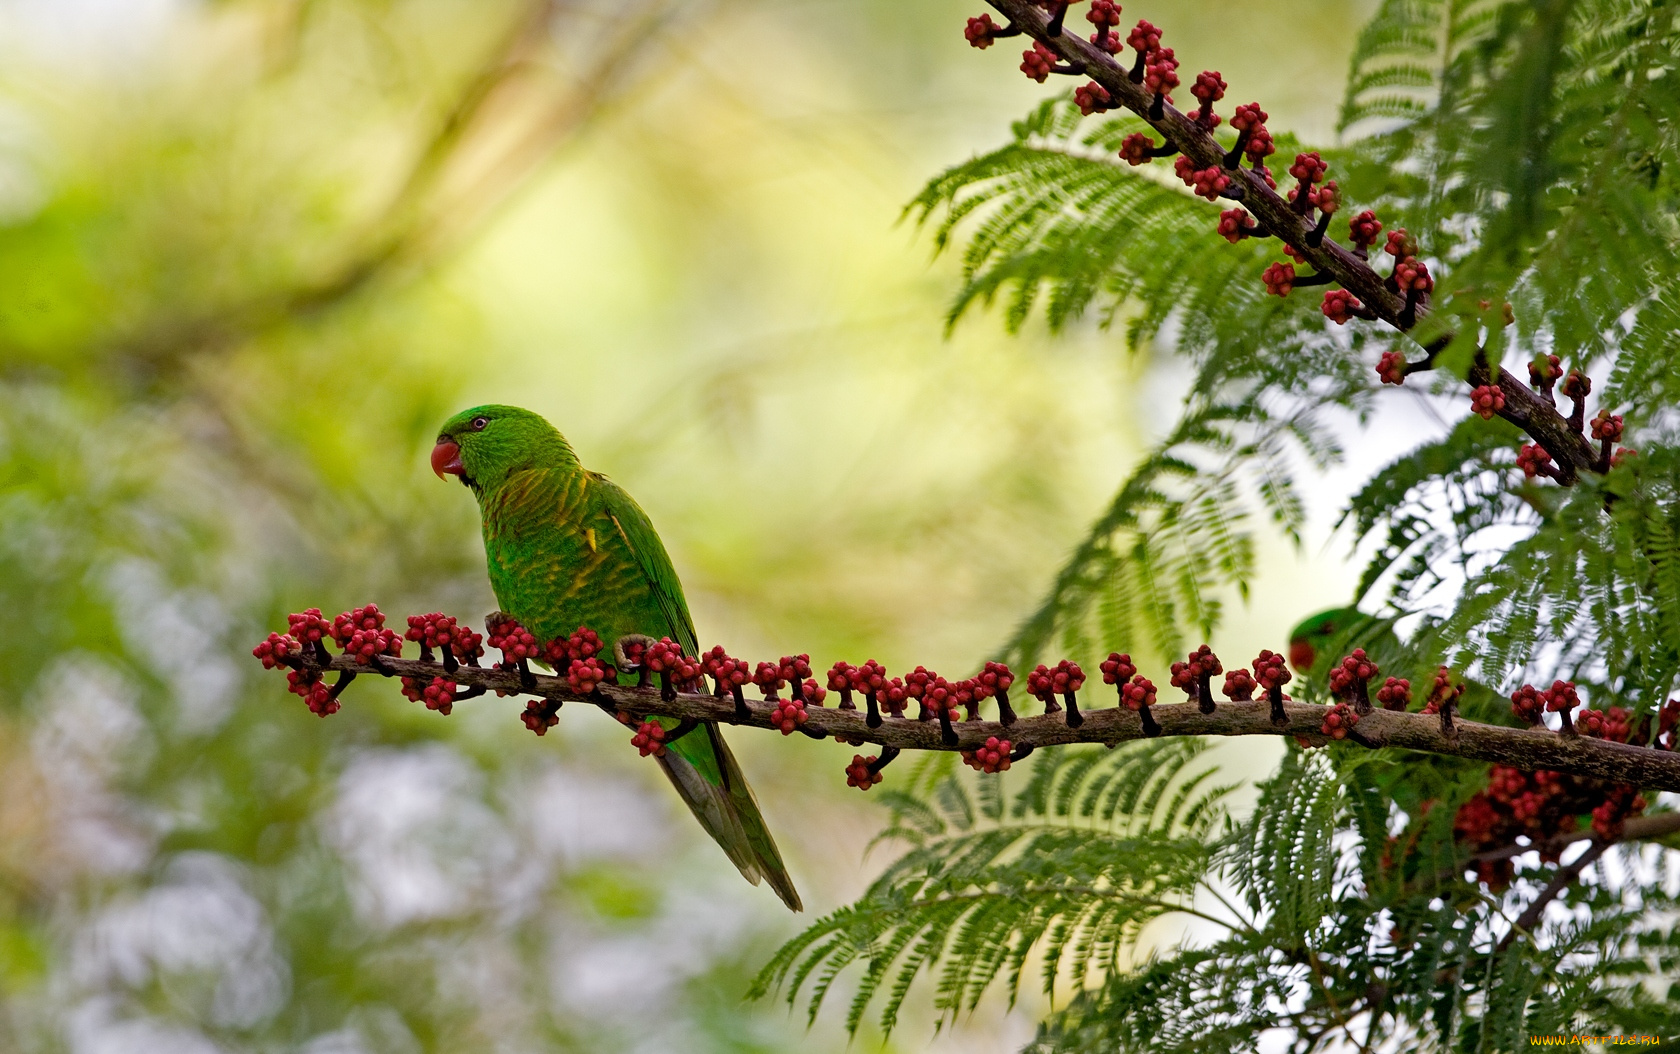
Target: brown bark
(1523, 407)
(1645, 767)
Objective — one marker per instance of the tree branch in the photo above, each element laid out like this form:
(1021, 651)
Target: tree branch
(1520, 748)
(1524, 407)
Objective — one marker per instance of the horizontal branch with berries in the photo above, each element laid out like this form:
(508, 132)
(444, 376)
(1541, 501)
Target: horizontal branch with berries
(1591, 745)
(1561, 450)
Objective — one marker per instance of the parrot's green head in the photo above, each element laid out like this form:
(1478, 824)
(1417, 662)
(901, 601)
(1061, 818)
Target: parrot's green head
(1307, 640)
(483, 445)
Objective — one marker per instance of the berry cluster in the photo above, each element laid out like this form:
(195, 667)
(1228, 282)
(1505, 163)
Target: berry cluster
(443, 632)
(584, 676)
(438, 693)
(583, 643)
(1395, 694)
(1339, 306)
(992, 757)
(1195, 675)
(361, 633)
(1443, 694)
(1351, 679)
(308, 685)
(1239, 685)
(1156, 69)
(280, 649)
(649, 738)
(515, 642)
(1339, 721)
(1534, 461)
(862, 773)
(1064, 679)
(665, 657)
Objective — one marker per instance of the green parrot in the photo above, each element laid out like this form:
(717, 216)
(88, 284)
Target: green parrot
(567, 547)
(1324, 638)
(1327, 636)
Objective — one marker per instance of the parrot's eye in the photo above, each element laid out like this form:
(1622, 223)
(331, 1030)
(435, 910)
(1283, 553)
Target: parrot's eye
(478, 423)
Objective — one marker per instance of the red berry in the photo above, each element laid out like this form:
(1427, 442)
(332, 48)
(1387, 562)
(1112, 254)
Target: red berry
(435, 630)
(1209, 182)
(514, 641)
(1103, 13)
(992, 757)
(979, 31)
(1279, 279)
(1339, 721)
(1144, 37)
(1309, 168)
(367, 618)
(1117, 668)
(1260, 146)
(1135, 149)
(309, 626)
(1544, 371)
(1413, 274)
(277, 649)
(1364, 228)
(1248, 117)
(1270, 670)
(1607, 426)
(1400, 245)
(583, 676)
(1395, 694)
(1577, 385)
(1487, 400)
(1391, 367)
(1239, 685)
(1528, 703)
(858, 774)
(789, 715)
(649, 738)
(1138, 694)
(1234, 225)
(1339, 306)
(1209, 86)
(1533, 460)
(1091, 98)
(1037, 61)
(768, 677)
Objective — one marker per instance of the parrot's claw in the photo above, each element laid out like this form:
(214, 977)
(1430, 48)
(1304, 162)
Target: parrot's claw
(621, 660)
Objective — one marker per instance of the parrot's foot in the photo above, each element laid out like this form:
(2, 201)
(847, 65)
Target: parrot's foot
(630, 661)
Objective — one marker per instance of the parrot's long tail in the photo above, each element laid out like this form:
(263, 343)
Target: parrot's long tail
(729, 813)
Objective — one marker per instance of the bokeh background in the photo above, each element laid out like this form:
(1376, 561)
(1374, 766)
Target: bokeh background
(253, 252)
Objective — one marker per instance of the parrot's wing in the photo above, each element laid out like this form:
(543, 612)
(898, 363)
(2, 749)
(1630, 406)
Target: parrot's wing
(637, 533)
(704, 771)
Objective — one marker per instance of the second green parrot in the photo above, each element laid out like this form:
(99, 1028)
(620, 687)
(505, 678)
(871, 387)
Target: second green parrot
(568, 548)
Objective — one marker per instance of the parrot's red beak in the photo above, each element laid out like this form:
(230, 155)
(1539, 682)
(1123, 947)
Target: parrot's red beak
(446, 457)
(1301, 651)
